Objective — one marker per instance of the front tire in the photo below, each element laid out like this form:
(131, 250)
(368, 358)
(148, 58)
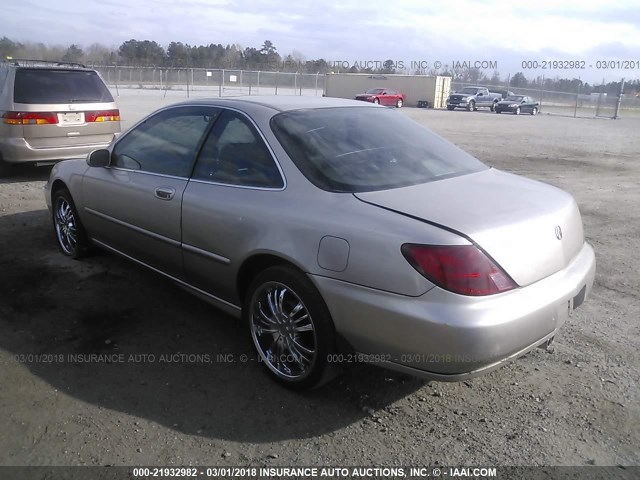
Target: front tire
(449, 107)
(290, 327)
(517, 111)
(70, 234)
(399, 103)
(376, 101)
(493, 107)
(534, 111)
(472, 106)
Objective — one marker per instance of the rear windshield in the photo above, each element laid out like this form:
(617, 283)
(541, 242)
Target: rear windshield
(353, 149)
(59, 86)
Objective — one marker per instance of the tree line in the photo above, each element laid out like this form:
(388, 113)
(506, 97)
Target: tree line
(149, 53)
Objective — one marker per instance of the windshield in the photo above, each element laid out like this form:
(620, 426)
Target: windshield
(469, 90)
(366, 149)
(375, 90)
(38, 85)
(515, 98)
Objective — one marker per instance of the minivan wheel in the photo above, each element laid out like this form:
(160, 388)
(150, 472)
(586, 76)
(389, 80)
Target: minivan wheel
(70, 234)
(290, 327)
(5, 169)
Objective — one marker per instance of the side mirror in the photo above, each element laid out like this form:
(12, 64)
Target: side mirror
(480, 94)
(99, 158)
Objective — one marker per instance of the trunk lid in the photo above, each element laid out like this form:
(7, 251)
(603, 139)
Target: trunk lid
(517, 221)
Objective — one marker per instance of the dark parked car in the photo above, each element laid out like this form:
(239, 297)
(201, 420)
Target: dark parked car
(518, 104)
(383, 96)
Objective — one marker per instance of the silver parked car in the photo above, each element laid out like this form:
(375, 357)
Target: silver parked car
(338, 230)
(51, 111)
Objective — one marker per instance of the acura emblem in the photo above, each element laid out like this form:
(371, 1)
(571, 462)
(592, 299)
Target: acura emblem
(558, 233)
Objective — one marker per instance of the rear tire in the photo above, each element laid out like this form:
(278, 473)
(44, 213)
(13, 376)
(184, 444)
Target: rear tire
(5, 169)
(70, 233)
(376, 101)
(472, 106)
(493, 107)
(517, 111)
(449, 107)
(399, 103)
(290, 327)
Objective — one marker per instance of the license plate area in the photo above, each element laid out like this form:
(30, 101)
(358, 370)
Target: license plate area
(71, 118)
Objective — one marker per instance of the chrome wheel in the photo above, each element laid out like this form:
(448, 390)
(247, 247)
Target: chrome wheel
(399, 103)
(283, 331)
(517, 112)
(534, 111)
(66, 227)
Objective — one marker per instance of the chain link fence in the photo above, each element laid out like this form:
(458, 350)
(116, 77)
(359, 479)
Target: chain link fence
(212, 82)
(596, 104)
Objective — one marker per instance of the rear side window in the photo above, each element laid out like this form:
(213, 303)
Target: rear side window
(234, 154)
(59, 86)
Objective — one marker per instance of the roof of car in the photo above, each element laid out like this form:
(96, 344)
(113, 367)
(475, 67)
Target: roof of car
(43, 64)
(284, 103)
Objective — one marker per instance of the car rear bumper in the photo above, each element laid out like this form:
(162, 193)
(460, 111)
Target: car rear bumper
(450, 337)
(18, 150)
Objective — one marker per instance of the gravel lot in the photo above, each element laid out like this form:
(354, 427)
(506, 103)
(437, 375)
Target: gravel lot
(577, 405)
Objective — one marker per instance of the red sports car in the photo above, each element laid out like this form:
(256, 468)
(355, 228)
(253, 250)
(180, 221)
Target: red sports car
(383, 96)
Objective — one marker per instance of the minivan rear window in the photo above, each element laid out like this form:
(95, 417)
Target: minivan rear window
(59, 86)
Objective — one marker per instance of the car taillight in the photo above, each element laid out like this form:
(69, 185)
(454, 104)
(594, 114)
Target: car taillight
(103, 116)
(462, 269)
(30, 118)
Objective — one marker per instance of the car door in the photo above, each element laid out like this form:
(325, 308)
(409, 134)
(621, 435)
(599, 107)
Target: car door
(229, 203)
(390, 98)
(384, 99)
(527, 105)
(135, 205)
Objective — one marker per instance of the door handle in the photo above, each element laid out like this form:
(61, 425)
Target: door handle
(165, 193)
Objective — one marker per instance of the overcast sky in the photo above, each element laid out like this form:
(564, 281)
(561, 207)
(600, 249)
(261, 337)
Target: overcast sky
(350, 30)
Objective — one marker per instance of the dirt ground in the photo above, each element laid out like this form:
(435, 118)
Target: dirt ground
(578, 405)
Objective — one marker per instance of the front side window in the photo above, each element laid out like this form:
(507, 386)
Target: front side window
(165, 143)
(235, 154)
(359, 149)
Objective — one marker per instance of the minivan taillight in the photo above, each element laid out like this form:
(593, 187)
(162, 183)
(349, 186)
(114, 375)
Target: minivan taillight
(463, 269)
(30, 118)
(102, 116)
